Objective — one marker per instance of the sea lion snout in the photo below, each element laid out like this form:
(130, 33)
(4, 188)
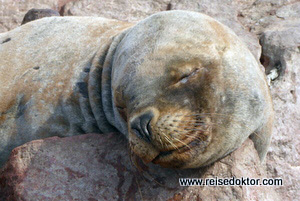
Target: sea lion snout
(141, 126)
(172, 138)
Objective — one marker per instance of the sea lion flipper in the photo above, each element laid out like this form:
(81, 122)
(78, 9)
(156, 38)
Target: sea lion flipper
(262, 138)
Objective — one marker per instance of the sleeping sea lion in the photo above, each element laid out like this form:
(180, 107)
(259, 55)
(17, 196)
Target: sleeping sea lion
(179, 85)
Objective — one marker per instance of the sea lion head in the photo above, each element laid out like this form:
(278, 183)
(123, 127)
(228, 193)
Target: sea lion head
(165, 79)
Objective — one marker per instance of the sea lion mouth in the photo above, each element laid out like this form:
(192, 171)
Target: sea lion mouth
(185, 149)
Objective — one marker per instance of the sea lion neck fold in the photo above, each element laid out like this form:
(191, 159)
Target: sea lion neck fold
(108, 105)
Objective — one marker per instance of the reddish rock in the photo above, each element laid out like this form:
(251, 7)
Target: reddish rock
(98, 167)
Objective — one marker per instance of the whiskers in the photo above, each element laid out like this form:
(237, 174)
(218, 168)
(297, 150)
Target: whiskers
(181, 129)
(183, 132)
(177, 131)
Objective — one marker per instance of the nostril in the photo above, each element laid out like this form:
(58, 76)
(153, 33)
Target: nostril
(141, 126)
(138, 133)
(145, 124)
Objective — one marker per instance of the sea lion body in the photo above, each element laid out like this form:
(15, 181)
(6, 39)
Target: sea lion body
(179, 85)
(47, 73)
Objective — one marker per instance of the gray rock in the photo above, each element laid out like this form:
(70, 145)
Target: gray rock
(281, 51)
(289, 11)
(256, 15)
(98, 167)
(34, 14)
(279, 41)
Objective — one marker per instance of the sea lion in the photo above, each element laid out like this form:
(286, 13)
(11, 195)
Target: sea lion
(179, 85)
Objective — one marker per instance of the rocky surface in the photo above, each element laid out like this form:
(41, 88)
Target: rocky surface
(270, 25)
(256, 15)
(281, 53)
(12, 12)
(98, 167)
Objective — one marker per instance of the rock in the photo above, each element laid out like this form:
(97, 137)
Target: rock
(34, 14)
(256, 15)
(281, 51)
(12, 12)
(98, 167)
(279, 41)
(289, 11)
(132, 11)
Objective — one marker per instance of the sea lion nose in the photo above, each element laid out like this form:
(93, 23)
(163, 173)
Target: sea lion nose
(141, 126)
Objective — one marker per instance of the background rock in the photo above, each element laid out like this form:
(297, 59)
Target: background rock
(256, 15)
(281, 51)
(98, 167)
(12, 12)
(289, 11)
(34, 14)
